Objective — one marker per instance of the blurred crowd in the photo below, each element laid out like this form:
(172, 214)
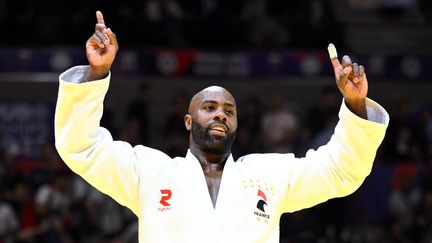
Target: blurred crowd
(191, 23)
(174, 23)
(43, 201)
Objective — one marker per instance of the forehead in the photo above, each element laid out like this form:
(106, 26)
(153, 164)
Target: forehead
(216, 94)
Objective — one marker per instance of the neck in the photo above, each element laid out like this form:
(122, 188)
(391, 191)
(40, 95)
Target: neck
(210, 162)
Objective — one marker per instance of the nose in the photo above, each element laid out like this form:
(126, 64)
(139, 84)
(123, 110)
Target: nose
(220, 116)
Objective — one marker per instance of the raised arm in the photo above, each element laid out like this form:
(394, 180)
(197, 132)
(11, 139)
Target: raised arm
(339, 167)
(88, 149)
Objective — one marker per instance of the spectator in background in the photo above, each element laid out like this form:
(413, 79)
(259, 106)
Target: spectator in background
(279, 127)
(165, 22)
(323, 111)
(422, 229)
(172, 127)
(104, 215)
(309, 22)
(8, 169)
(404, 199)
(322, 116)
(50, 159)
(9, 223)
(264, 30)
(137, 115)
(249, 136)
(422, 223)
(20, 195)
(400, 135)
(52, 210)
(132, 132)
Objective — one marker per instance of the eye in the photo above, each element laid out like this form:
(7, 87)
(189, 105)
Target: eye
(229, 112)
(209, 108)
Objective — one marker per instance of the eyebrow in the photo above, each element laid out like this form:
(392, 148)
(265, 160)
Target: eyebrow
(215, 102)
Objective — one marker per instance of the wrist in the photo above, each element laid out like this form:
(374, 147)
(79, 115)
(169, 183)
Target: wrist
(96, 73)
(357, 106)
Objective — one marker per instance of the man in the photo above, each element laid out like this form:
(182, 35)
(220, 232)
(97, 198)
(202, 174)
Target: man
(207, 196)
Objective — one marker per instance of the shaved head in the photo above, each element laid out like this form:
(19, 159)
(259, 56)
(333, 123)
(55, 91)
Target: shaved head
(208, 93)
(212, 120)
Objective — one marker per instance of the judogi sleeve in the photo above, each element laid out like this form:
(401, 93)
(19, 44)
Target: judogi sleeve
(339, 167)
(87, 148)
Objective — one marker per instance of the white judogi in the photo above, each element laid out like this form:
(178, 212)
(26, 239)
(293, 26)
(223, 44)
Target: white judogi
(170, 196)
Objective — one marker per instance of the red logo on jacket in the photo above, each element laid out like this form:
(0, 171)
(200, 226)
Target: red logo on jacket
(166, 195)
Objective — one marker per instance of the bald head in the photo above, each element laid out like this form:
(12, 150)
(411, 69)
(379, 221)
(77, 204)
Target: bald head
(212, 93)
(212, 121)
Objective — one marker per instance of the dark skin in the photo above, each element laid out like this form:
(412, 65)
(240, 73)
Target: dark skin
(102, 47)
(213, 104)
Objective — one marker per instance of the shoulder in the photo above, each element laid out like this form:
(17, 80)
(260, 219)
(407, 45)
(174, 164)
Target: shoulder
(266, 163)
(265, 158)
(144, 151)
(151, 157)
(270, 167)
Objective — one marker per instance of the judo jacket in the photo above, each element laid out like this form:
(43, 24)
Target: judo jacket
(170, 196)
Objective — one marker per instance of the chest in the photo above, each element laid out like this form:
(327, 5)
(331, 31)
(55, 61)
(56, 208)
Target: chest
(235, 198)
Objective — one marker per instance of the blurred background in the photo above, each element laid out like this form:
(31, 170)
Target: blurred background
(271, 54)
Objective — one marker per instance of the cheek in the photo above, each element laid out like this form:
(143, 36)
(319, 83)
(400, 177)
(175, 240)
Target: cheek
(202, 118)
(233, 125)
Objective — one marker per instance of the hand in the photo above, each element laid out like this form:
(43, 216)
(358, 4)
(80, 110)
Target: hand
(101, 50)
(351, 81)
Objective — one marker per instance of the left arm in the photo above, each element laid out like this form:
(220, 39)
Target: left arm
(339, 168)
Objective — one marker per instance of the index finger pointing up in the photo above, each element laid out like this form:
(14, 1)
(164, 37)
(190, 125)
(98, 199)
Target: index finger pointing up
(333, 56)
(99, 17)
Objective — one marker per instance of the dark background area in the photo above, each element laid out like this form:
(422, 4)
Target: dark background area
(271, 54)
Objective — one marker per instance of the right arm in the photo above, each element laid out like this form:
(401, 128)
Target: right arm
(87, 148)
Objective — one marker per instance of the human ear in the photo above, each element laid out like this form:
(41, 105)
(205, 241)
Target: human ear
(188, 122)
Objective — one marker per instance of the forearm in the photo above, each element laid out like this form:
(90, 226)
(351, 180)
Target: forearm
(78, 111)
(356, 139)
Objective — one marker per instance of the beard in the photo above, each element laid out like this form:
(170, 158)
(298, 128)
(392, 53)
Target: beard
(209, 143)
